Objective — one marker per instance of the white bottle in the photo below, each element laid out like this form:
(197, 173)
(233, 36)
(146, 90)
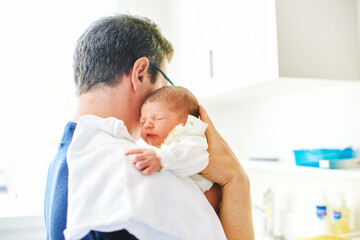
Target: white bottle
(322, 216)
(341, 216)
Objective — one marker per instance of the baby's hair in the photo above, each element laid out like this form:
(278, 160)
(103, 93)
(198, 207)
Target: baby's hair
(181, 99)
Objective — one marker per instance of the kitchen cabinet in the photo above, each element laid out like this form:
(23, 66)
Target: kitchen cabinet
(232, 44)
(219, 45)
(226, 45)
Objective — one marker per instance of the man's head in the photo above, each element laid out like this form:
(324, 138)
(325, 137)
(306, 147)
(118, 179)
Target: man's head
(108, 49)
(163, 110)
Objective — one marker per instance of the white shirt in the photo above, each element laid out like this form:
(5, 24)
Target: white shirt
(106, 193)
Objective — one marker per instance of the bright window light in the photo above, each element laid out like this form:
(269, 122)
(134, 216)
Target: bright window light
(37, 93)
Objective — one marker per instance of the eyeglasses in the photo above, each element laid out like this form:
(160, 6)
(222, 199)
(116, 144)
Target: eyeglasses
(162, 73)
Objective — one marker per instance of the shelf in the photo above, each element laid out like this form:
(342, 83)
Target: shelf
(276, 168)
(12, 207)
(275, 87)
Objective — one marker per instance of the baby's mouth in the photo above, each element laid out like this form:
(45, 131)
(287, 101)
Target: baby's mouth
(149, 135)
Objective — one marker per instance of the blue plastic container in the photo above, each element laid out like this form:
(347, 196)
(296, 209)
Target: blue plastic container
(311, 157)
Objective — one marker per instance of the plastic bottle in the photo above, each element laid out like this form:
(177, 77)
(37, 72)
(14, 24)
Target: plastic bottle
(322, 216)
(340, 216)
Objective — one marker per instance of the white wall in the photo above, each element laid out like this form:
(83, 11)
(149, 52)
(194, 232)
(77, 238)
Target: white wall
(274, 126)
(318, 39)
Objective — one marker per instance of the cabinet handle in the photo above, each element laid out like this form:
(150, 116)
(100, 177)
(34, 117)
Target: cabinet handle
(211, 64)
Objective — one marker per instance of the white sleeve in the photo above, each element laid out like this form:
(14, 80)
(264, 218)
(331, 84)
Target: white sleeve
(203, 183)
(187, 153)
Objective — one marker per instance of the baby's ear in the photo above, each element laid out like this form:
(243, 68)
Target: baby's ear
(139, 73)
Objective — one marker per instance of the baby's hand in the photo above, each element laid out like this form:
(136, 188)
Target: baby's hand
(145, 160)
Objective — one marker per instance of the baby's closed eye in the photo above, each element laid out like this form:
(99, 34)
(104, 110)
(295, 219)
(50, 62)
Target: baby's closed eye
(160, 118)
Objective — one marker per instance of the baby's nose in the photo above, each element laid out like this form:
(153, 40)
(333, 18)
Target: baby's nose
(148, 124)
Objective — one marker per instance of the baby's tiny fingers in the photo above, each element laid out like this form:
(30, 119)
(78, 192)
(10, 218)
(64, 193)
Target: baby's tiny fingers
(134, 151)
(137, 158)
(147, 171)
(141, 165)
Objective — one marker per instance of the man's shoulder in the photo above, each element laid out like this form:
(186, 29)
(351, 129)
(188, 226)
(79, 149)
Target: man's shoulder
(56, 190)
(91, 124)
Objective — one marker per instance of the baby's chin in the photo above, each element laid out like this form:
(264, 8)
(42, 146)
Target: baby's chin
(156, 145)
(153, 143)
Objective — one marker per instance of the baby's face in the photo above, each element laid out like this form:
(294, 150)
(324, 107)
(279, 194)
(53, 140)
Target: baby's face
(157, 120)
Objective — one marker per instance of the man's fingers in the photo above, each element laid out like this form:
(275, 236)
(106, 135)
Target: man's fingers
(204, 116)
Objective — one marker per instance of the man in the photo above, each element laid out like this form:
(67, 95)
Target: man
(115, 67)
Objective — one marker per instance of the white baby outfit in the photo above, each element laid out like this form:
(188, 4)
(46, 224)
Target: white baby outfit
(106, 193)
(184, 152)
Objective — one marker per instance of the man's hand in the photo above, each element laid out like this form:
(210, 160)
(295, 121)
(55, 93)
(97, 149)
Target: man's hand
(224, 169)
(145, 160)
(223, 166)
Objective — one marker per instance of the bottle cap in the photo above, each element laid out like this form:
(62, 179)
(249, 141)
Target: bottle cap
(321, 199)
(339, 200)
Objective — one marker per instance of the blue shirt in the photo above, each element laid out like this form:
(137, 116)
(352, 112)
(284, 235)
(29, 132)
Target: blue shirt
(56, 193)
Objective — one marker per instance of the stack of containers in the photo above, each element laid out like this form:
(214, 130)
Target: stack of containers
(327, 158)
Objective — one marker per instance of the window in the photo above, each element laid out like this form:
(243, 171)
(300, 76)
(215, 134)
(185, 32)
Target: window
(37, 94)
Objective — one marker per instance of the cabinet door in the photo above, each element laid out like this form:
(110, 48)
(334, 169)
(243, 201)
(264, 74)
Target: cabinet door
(228, 44)
(219, 45)
(246, 52)
(194, 51)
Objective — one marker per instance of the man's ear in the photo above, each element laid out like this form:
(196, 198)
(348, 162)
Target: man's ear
(139, 73)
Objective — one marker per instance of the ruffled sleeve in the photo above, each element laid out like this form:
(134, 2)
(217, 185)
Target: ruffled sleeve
(184, 151)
